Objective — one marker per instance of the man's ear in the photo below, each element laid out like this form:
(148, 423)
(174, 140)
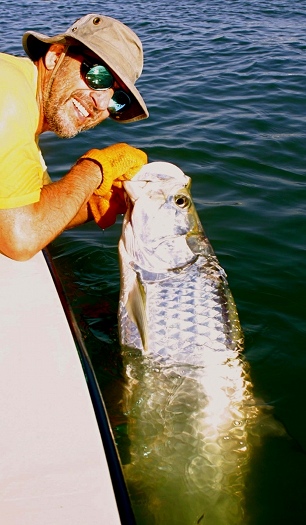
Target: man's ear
(52, 55)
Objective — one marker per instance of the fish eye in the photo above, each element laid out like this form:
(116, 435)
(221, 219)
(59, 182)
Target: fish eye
(182, 201)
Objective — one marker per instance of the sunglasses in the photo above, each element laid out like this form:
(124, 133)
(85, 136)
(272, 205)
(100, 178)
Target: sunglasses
(98, 77)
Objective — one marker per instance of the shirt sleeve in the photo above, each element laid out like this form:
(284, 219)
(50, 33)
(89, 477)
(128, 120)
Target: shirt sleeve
(22, 170)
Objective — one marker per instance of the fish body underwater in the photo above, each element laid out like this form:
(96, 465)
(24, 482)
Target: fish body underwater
(188, 397)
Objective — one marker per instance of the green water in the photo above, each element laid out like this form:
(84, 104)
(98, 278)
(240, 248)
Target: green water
(225, 85)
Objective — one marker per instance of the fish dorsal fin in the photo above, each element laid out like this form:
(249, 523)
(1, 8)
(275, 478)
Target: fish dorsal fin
(136, 310)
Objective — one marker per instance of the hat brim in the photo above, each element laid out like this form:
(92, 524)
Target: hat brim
(36, 45)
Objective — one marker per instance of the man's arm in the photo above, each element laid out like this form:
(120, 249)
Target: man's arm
(26, 230)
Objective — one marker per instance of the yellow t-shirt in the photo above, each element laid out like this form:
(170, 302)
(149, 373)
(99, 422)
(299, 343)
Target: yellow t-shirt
(22, 168)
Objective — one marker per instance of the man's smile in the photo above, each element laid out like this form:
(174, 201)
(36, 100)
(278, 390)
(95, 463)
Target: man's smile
(80, 108)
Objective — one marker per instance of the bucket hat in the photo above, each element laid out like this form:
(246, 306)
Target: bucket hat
(115, 43)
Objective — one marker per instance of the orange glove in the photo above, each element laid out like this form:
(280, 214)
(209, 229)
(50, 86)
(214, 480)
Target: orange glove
(105, 209)
(118, 162)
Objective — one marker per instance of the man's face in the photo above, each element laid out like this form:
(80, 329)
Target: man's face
(70, 106)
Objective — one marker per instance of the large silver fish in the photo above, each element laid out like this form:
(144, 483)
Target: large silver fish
(175, 301)
(188, 398)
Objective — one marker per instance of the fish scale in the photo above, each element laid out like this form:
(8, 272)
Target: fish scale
(187, 313)
(182, 296)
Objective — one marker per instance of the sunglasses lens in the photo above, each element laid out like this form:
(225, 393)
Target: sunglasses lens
(119, 102)
(98, 77)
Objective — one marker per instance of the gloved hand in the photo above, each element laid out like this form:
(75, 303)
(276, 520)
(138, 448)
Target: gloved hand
(105, 209)
(118, 162)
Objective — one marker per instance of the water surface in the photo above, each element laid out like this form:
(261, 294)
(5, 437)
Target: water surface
(225, 85)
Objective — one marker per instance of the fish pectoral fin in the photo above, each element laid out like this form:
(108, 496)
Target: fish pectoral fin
(136, 310)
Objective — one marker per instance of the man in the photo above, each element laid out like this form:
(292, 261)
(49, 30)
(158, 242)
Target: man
(73, 82)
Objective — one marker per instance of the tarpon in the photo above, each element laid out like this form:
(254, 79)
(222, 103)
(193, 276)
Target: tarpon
(188, 397)
(175, 301)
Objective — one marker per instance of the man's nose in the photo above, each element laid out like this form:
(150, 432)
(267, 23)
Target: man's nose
(102, 98)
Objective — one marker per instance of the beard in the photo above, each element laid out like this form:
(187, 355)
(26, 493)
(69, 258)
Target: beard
(58, 109)
(60, 124)
(60, 121)
(57, 117)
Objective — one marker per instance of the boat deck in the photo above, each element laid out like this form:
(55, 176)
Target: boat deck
(53, 468)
